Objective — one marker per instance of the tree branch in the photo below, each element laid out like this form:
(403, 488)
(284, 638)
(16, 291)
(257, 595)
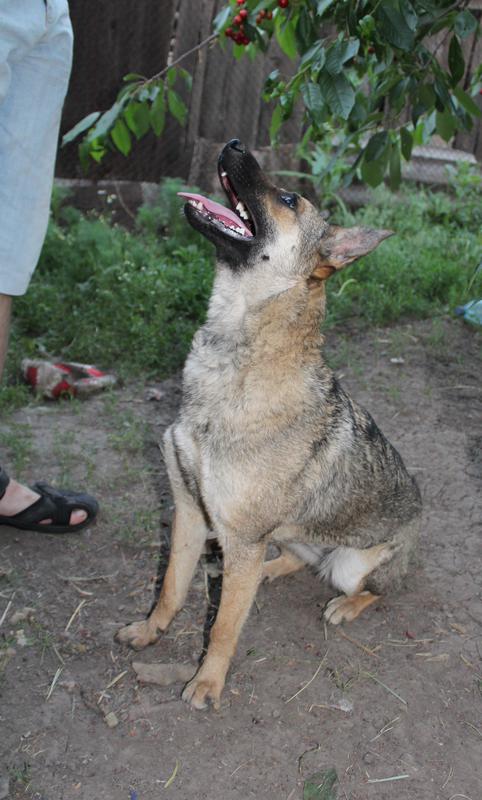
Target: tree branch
(199, 46)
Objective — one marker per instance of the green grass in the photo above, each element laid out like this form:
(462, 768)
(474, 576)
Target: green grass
(426, 269)
(130, 301)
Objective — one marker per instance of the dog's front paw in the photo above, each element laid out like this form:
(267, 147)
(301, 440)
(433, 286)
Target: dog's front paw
(138, 634)
(201, 690)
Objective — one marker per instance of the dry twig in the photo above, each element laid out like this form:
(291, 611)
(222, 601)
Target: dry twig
(310, 681)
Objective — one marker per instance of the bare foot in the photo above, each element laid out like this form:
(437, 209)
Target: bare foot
(17, 498)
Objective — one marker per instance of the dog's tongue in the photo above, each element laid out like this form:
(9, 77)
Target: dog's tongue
(226, 216)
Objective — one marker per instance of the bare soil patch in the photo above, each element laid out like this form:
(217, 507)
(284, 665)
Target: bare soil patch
(399, 691)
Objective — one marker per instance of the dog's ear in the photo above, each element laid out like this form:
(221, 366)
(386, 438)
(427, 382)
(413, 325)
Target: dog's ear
(341, 246)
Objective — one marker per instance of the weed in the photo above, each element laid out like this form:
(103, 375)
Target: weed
(12, 397)
(20, 774)
(130, 434)
(342, 681)
(17, 441)
(66, 456)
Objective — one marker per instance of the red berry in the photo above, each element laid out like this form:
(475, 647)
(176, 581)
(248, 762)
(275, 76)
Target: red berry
(238, 19)
(371, 49)
(269, 15)
(283, 3)
(262, 13)
(245, 40)
(239, 38)
(240, 2)
(228, 32)
(243, 13)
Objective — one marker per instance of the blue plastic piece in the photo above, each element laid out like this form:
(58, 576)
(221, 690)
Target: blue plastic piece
(471, 312)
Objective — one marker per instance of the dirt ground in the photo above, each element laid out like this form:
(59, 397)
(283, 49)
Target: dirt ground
(391, 701)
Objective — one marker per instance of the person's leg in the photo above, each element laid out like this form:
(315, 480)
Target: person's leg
(35, 59)
(5, 310)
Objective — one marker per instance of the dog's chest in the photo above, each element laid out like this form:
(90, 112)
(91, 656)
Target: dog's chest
(245, 426)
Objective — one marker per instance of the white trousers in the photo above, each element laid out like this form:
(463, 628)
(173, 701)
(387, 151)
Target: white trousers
(35, 61)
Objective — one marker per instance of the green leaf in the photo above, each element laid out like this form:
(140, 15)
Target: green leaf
(186, 76)
(338, 93)
(121, 137)
(84, 155)
(426, 96)
(304, 30)
(409, 14)
(466, 101)
(395, 168)
(312, 98)
(419, 134)
(443, 100)
(406, 142)
(81, 126)
(376, 146)
(285, 34)
(171, 77)
(456, 60)
(221, 19)
(465, 24)
(340, 52)
(322, 6)
(157, 113)
(107, 120)
(133, 76)
(97, 152)
(372, 172)
(367, 26)
(320, 786)
(393, 27)
(137, 117)
(373, 169)
(445, 125)
(315, 55)
(276, 122)
(397, 94)
(176, 106)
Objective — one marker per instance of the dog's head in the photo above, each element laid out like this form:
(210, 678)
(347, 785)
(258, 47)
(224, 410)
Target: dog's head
(276, 235)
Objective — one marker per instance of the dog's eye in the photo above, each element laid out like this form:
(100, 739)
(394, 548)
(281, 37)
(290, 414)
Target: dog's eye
(290, 200)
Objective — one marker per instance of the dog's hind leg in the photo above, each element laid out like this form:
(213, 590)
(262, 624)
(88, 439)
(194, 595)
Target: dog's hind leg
(286, 563)
(348, 568)
(189, 532)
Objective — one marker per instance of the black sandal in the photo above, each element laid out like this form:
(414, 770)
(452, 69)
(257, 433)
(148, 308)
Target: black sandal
(54, 504)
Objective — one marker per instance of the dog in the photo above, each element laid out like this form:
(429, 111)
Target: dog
(267, 446)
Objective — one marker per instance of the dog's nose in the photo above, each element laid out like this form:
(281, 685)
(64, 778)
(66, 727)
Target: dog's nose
(235, 144)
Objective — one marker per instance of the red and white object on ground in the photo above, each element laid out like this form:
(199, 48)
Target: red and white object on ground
(60, 379)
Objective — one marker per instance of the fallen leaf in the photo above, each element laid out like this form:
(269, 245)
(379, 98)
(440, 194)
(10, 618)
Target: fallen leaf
(320, 785)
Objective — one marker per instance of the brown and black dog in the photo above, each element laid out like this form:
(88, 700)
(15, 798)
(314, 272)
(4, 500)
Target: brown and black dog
(267, 446)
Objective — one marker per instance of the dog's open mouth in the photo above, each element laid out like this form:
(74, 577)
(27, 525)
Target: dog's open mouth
(235, 222)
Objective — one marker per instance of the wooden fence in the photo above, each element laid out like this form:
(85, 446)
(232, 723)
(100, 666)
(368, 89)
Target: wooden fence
(114, 37)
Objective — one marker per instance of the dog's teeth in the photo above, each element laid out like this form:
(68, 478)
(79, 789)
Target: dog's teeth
(241, 209)
(223, 174)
